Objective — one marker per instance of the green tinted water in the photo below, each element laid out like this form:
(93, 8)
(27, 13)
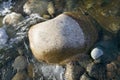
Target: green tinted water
(1, 18)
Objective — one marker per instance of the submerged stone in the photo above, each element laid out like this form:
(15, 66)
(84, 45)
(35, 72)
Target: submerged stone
(20, 63)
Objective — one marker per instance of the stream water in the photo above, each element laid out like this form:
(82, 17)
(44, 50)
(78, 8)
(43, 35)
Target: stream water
(42, 71)
(5, 8)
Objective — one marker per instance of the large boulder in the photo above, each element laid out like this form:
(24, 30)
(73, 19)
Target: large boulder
(60, 39)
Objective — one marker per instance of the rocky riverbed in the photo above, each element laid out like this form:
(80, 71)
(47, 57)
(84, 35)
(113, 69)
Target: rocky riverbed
(59, 40)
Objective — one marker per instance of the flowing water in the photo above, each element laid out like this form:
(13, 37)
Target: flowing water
(42, 71)
(5, 8)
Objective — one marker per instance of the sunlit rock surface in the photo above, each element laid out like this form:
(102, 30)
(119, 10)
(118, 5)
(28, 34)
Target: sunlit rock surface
(59, 39)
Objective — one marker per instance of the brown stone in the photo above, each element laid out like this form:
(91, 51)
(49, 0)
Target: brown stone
(73, 71)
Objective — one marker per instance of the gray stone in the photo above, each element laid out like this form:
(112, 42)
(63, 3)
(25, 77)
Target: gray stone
(21, 76)
(85, 76)
(56, 39)
(20, 63)
(96, 53)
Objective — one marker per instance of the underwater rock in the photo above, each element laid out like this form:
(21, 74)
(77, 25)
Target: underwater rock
(73, 71)
(61, 38)
(97, 71)
(36, 6)
(111, 70)
(85, 76)
(105, 12)
(21, 76)
(12, 19)
(20, 63)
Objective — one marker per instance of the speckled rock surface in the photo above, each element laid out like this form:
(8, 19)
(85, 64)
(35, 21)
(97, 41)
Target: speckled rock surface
(58, 39)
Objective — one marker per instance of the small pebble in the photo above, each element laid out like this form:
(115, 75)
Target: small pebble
(51, 9)
(20, 63)
(96, 53)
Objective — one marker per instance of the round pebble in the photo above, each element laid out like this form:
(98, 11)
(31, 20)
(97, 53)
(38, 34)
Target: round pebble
(20, 63)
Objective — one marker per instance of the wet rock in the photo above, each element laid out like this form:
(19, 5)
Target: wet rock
(117, 63)
(69, 38)
(30, 70)
(46, 16)
(21, 76)
(73, 71)
(36, 6)
(3, 37)
(85, 76)
(96, 53)
(97, 71)
(51, 9)
(20, 63)
(112, 71)
(12, 19)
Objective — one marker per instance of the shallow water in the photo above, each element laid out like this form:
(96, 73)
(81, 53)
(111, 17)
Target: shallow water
(5, 7)
(41, 70)
(48, 72)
